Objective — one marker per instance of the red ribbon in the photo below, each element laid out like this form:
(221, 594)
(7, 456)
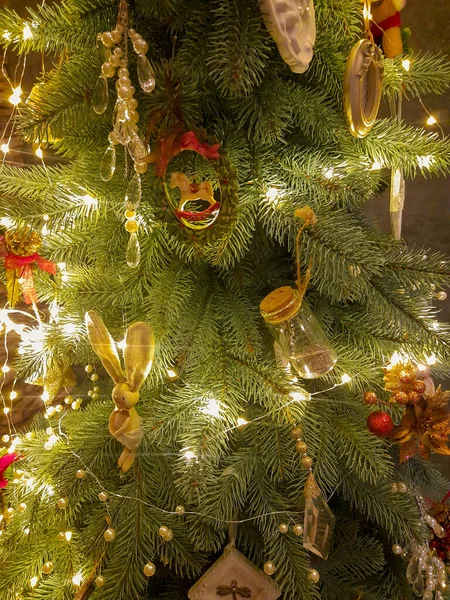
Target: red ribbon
(171, 146)
(24, 265)
(6, 461)
(377, 29)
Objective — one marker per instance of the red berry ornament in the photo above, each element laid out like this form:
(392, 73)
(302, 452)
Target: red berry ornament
(380, 423)
(370, 398)
(419, 386)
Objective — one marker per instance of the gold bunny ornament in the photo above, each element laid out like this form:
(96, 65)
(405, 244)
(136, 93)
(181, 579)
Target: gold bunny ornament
(124, 421)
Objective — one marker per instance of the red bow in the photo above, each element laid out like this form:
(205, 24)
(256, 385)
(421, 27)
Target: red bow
(5, 462)
(23, 264)
(172, 145)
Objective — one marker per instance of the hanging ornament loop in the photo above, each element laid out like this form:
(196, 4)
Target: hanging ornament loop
(309, 218)
(367, 19)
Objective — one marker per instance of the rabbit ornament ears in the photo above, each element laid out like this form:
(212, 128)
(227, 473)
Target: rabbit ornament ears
(124, 422)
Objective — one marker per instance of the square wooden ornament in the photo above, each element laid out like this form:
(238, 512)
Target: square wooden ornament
(232, 577)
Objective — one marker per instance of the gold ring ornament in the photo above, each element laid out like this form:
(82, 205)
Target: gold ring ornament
(292, 25)
(363, 81)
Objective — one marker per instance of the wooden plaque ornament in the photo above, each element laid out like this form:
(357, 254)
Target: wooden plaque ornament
(363, 82)
(292, 25)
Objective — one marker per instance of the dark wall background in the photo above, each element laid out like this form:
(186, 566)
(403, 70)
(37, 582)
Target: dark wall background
(426, 216)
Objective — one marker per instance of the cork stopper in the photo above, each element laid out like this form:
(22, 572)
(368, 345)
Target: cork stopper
(281, 304)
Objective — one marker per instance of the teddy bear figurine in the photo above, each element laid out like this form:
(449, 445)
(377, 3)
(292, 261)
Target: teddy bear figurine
(385, 26)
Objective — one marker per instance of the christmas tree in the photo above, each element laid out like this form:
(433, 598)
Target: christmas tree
(208, 202)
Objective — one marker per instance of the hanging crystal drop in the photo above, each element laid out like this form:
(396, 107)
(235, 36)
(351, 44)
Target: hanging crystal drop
(133, 251)
(100, 96)
(108, 164)
(136, 148)
(124, 131)
(146, 74)
(133, 194)
(103, 52)
(121, 112)
(319, 521)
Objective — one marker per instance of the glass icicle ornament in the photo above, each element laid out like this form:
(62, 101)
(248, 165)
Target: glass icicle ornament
(136, 148)
(146, 75)
(133, 194)
(319, 521)
(133, 255)
(100, 95)
(108, 164)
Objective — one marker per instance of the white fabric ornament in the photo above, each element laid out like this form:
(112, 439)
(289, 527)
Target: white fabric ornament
(292, 25)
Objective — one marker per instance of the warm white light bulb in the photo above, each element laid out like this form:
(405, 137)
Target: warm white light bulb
(345, 378)
(171, 374)
(13, 395)
(272, 194)
(425, 162)
(26, 32)
(212, 408)
(406, 64)
(68, 536)
(189, 455)
(39, 153)
(69, 328)
(297, 396)
(329, 173)
(122, 344)
(241, 422)
(376, 165)
(431, 360)
(15, 97)
(77, 579)
(33, 581)
(4, 148)
(90, 201)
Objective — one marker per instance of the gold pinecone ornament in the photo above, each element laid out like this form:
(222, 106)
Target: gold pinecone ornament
(22, 242)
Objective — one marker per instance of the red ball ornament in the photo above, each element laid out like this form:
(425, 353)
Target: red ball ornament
(380, 423)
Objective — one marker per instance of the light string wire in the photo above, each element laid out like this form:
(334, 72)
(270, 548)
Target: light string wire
(419, 98)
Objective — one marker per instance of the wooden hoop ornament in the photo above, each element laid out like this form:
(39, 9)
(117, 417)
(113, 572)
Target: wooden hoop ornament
(363, 82)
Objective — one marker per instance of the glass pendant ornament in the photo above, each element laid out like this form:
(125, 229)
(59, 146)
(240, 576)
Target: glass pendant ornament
(319, 521)
(133, 254)
(297, 331)
(103, 52)
(133, 194)
(108, 164)
(146, 74)
(136, 148)
(124, 131)
(100, 95)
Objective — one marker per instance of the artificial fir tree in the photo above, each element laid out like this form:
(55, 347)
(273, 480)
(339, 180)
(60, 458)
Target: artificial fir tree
(228, 434)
